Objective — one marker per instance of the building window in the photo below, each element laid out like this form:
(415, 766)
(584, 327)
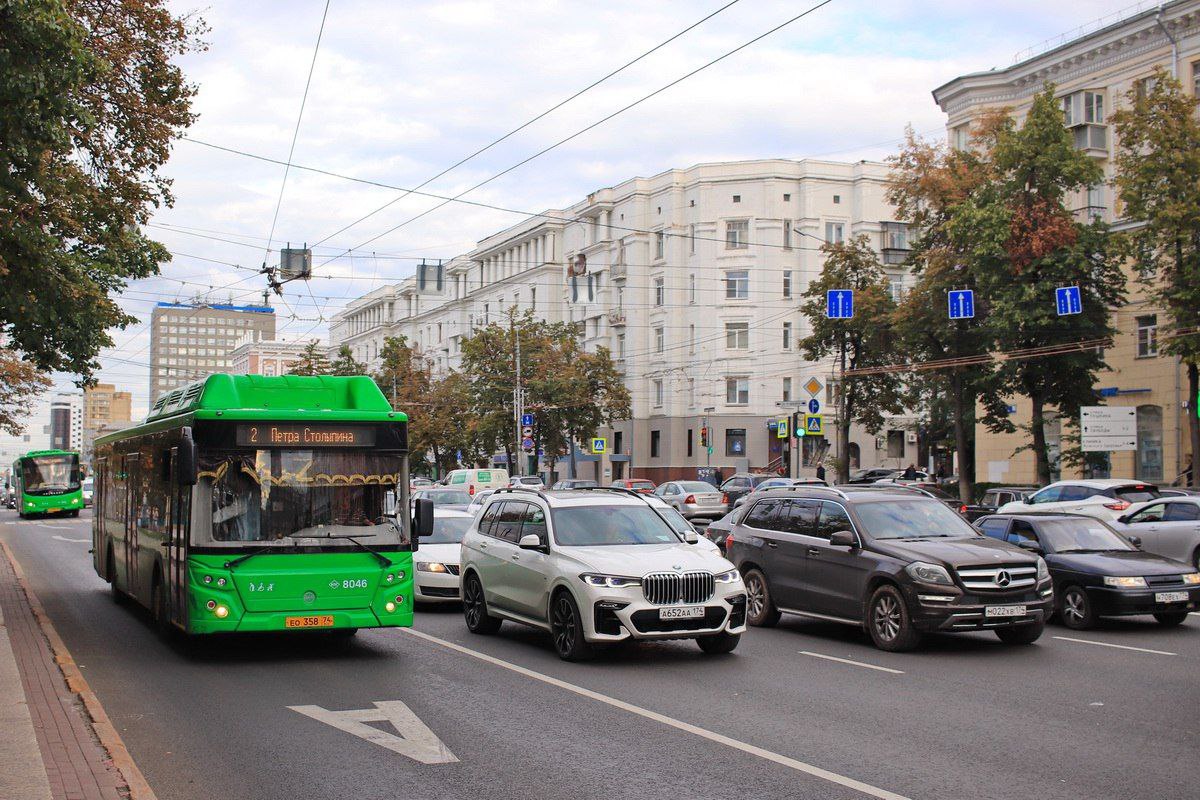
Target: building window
(660, 291)
(1143, 87)
(1149, 443)
(692, 239)
(835, 232)
(787, 198)
(837, 199)
(620, 345)
(787, 336)
(787, 234)
(895, 444)
(787, 390)
(737, 391)
(787, 284)
(737, 335)
(658, 393)
(735, 441)
(896, 287)
(617, 443)
(692, 289)
(1147, 336)
(737, 285)
(691, 392)
(689, 442)
(737, 234)
(1196, 78)
(960, 137)
(655, 438)
(659, 340)
(692, 339)
(737, 198)
(660, 244)
(533, 299)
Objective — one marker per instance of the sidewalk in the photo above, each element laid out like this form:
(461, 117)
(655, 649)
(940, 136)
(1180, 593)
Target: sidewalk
(51, 725)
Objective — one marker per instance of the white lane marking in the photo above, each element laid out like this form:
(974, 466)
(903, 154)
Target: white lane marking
(852, 663)
(65, 539)
(416, 741)
(703, 733)
(1116, 646)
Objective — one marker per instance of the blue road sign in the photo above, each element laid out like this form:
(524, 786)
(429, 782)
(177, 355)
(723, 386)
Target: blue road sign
(814, 406)
(1067, 300)
(526, 420)
(527, 444)
(812, 424)
(839, 303)
(962, 304)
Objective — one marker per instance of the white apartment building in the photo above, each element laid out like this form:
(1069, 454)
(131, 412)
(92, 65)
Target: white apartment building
(693, 278)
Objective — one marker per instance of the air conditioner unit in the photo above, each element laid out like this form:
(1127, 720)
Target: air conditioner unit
(911, 438)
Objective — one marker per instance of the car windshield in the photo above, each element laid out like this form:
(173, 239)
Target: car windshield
(641, 485)
(480, 497)
(696, 486)
(447, 530)
(911, 518)
(446, 497)
(676, 521)
(49, 474)
(1137, 494)
(1081, 536)
(275, 495)
(592, 526)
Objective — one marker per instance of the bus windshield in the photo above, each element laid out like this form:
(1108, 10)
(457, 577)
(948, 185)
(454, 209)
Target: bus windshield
(50, 474)
(279, 496)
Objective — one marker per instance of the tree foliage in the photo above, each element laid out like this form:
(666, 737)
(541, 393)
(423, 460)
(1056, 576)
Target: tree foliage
(1158, 178)
(345, 363)
(20, 384)
(92, 102)
(312, 361)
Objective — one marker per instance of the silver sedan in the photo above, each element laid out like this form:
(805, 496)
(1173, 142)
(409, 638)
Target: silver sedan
(694, 499)
(1168, 527)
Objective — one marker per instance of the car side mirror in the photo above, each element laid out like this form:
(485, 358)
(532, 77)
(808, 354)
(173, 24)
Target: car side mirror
(1136, 541)
(1125, 518)
(422, 518)
(1031, 546)
(531, 541)
(843, 539)
(691, 537)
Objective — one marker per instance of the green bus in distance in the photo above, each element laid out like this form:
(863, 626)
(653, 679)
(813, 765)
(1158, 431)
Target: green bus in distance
(252, 503)
(48, 482)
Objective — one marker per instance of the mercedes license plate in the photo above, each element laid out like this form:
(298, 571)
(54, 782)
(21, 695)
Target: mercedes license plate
(689, 612)
(316, 621)
(1004, 611)
(1170, 597)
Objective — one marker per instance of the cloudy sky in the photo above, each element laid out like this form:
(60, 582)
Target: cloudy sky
(400, 91)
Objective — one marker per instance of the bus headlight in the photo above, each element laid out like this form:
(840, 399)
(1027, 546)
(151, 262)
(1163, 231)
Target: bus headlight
(222, 612)
(389, 606)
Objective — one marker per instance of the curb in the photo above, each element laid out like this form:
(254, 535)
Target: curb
(106, 732)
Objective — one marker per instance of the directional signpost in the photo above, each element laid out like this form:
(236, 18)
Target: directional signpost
(1067, 300)
(526, 420)
(1105, 429)
(962, 304)
(839, 303)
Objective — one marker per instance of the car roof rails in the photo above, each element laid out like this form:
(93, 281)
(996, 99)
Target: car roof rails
(618, 489)
(518, 488)
(806, 488)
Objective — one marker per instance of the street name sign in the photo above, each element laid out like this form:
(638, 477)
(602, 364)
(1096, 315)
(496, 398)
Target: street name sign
(962, 304)
(839, 303)
(1067, 300)
(1107, 429)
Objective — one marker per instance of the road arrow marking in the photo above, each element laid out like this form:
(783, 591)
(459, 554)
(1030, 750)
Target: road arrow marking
(415, 740)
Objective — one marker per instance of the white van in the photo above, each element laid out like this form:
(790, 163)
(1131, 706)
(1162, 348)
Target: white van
(475, 479)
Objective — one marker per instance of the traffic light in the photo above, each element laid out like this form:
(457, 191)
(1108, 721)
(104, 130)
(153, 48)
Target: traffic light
(704, 436)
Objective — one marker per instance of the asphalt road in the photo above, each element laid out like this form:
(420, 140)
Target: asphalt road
(804, 710)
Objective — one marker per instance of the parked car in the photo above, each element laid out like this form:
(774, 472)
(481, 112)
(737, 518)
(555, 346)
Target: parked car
(575, 483)
(743, 483)
(1178, 491)
(478, 499)
(693, 499)
(436, 561)
(636, 484)
(894, 562)
(994, 498)
(529, 481)
(778, 483)
(681, 525)
(441, 497)
(596, 567)
(88, 489)
(929, 490)
(1169, 527)
(472, 480)
(872, 474)
(1106, 498)
(418, 483)
(718, 530)
(1099, 573)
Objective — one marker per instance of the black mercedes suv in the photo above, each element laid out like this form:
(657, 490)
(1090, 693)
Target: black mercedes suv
(894, 563)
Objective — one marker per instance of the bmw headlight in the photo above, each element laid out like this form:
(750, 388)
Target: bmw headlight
(431, 566)
(1043, 570)
(1125, 581)
(929, 573)
(731, 576)
(609, 581)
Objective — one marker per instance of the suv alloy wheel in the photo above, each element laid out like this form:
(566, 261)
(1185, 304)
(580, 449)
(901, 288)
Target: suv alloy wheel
(760, 609)
(888, 621)
(567, 628)
(475, 609)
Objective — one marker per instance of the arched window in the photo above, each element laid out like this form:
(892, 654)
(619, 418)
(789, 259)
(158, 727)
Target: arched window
(854, 454)
(1149, 443)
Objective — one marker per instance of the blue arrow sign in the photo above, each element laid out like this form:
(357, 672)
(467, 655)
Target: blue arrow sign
(526, 420)
(814, 406)
(962, 304)
(1067, 300)
(839, 303)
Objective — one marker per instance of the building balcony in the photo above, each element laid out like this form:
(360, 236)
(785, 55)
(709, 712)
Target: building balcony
(1091, 138)
(894, 255)
(1087, 214)
(616, 317)
(618, 272)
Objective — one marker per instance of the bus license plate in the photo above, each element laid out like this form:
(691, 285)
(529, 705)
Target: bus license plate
(319, 621)
(1004, 611)
(53, 510)
(691, 612)
(1171, 597)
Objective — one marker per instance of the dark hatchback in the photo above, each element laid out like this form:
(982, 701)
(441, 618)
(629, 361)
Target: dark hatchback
(743, 483)
(894, 562)
(1099, 573)
(994, 498)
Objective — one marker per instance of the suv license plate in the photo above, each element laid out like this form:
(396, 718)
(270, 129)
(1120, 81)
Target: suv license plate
(691, 612)
(1004, 611)
(1171, 597)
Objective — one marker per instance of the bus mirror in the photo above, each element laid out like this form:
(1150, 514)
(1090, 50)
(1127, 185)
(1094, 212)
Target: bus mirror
(422, 517)
(185, 469)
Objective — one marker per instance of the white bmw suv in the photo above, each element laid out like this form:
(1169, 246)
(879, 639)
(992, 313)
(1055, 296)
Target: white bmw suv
(596, 566)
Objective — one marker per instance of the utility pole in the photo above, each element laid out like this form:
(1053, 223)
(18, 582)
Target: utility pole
(843, 430)
(518, 398)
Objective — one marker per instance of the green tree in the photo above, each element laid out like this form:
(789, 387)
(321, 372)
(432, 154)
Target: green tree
(345, 364)
(1025, 243)
(404, 377)
(312, 361)
(92, 102)
(20, 383)
(868, 339)
(1158, 177)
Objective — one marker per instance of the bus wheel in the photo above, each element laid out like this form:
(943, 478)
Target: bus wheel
(110, 574)
(75, 513)
(158, 605)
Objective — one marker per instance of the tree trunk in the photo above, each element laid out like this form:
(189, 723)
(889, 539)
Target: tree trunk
(1038, 429)
(843, 448)
(1193, 373)
(571, 450)
(960, 438)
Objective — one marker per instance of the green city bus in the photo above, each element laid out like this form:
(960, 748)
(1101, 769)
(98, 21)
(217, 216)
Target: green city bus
(252, 503)
(48, 482)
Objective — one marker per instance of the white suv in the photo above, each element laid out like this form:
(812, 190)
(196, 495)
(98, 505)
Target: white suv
(1106, 498)
(596, 566)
